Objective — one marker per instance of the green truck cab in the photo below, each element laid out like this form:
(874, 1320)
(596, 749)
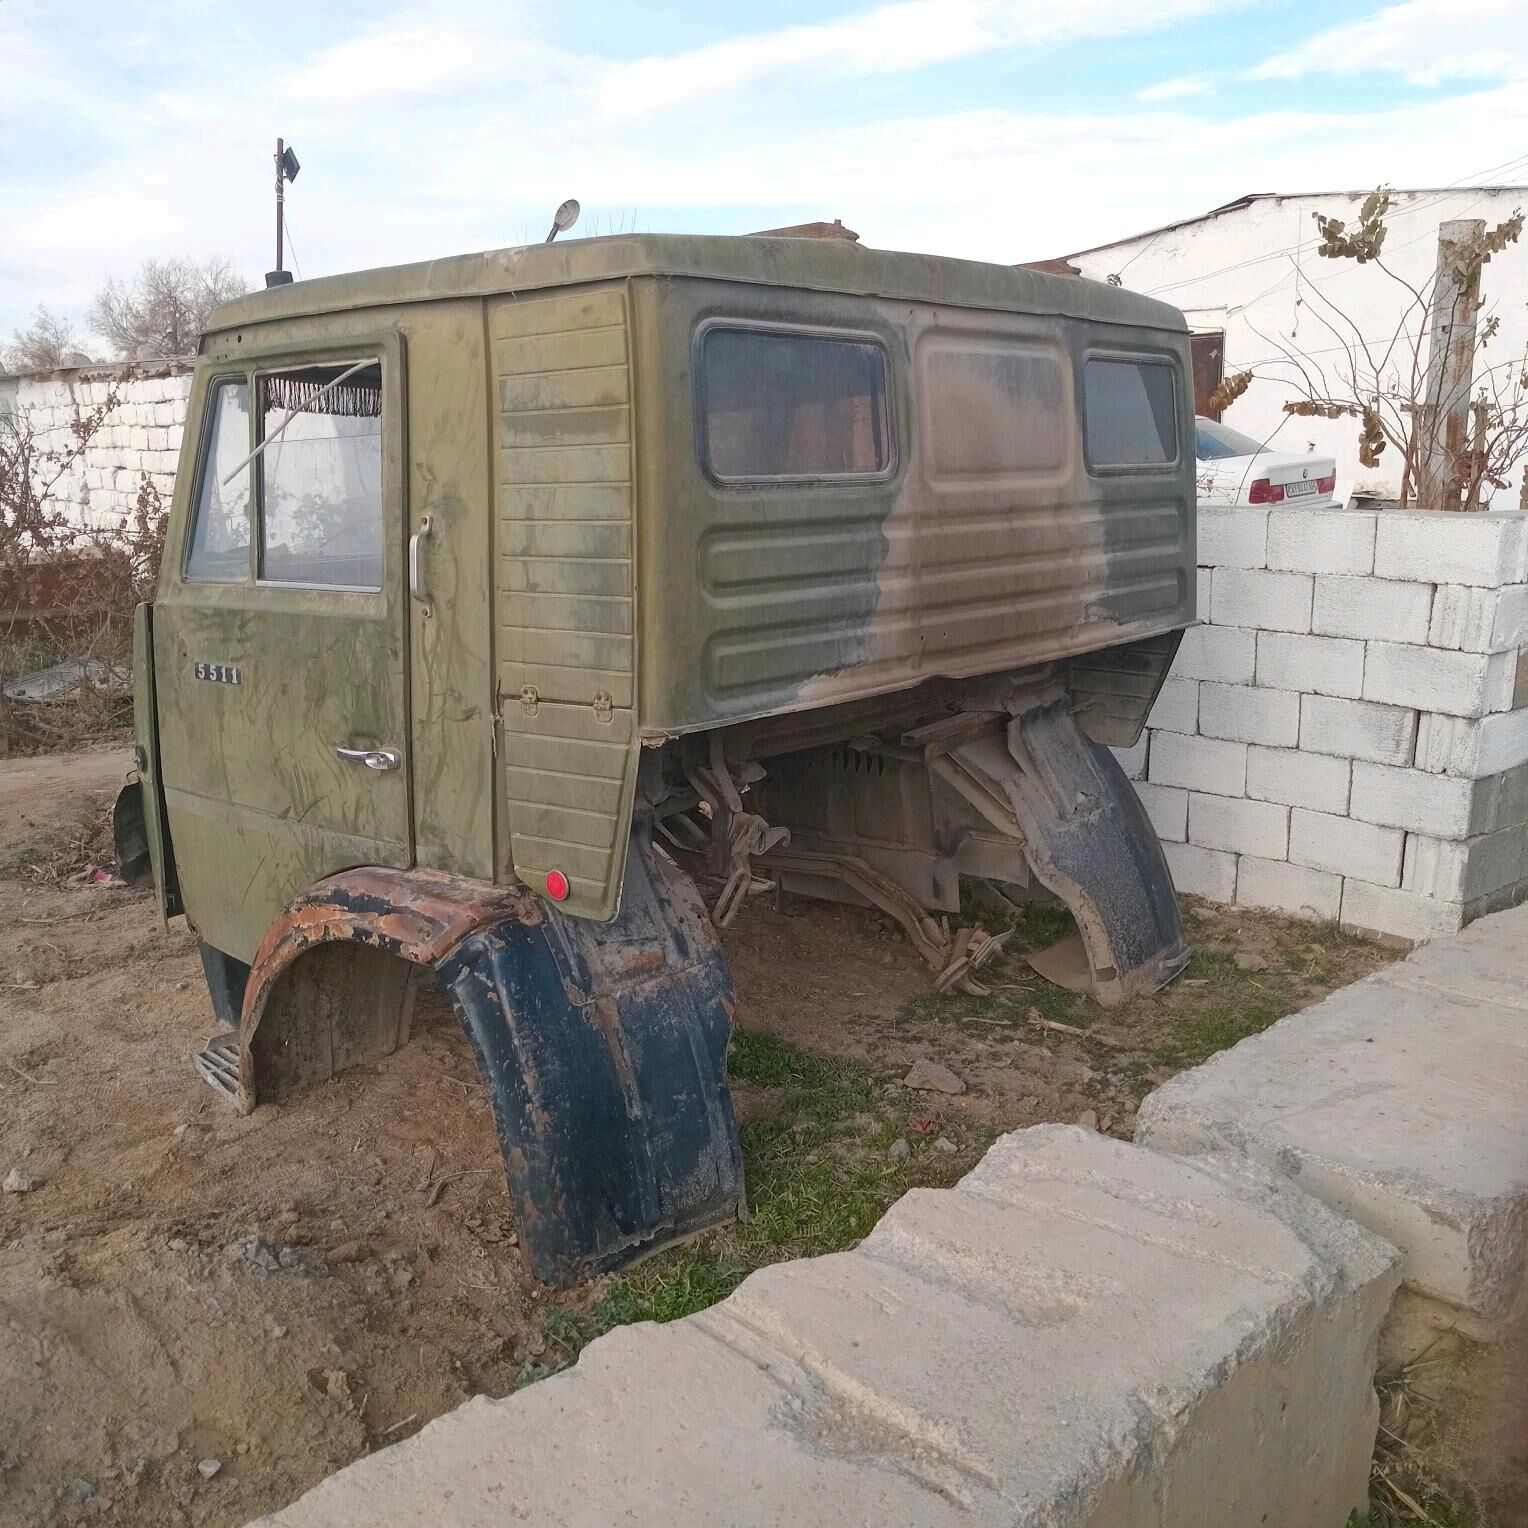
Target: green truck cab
(504, 595)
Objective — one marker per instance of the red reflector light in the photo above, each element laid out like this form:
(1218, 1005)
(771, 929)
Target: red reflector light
(1327, 484)
(557, 885)
(1265, 492)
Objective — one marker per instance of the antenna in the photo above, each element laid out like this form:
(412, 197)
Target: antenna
(287, 168)
(564, 218)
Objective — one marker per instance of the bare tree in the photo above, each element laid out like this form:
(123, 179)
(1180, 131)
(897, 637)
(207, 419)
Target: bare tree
(1382, 382)
(44, 344)
(163, 309)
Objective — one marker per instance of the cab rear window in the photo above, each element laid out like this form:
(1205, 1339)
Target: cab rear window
(781, 407)
(993, 411)
(1130, 413)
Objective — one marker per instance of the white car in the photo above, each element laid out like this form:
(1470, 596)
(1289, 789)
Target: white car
(1236, 469)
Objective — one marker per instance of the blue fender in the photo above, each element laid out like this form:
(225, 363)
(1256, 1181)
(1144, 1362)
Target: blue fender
(604, 1046)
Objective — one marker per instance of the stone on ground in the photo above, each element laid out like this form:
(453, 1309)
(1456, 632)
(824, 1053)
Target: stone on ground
(1401, 1101)
(1082, 1333)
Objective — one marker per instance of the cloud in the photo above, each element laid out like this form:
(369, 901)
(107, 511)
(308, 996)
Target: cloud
(409, 60)
(890, 39)
(1423, 41)
(480, 159)
(1175, 89)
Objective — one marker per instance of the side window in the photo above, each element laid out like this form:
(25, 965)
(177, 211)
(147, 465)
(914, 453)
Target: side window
(1130, 410)
(321, 476)
(992, 411)
(777, 406)
(219, 550)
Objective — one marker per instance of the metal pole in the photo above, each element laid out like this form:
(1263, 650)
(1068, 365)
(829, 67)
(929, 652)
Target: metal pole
(280, 200)
(1443, 431)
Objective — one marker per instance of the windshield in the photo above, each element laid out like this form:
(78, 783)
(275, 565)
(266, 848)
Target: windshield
(1213, 440)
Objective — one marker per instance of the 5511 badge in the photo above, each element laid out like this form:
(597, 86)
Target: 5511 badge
(220, 673)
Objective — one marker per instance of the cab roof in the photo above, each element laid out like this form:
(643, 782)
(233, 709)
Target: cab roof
(825, 265)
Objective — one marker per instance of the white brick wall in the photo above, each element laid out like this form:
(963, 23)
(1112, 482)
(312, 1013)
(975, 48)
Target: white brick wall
(141, 436)
(1347, 736)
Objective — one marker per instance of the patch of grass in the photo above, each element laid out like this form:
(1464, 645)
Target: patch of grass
(818, 1180)
(677, 1285)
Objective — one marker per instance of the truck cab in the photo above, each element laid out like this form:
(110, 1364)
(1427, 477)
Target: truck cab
(521, 612)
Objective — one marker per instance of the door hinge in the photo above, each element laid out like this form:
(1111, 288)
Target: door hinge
(604, 707)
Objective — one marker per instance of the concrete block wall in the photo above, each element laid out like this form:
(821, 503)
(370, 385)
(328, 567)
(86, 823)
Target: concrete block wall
(139, 438)
(1346, 735)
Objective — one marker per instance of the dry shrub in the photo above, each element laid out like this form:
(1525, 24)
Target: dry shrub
(67, 591)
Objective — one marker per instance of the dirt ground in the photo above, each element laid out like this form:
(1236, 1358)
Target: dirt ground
(202, 1315)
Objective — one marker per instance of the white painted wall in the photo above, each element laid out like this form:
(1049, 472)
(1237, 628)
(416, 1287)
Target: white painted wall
(1254, 272)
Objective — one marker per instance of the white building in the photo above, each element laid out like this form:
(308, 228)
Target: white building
(1249, 280)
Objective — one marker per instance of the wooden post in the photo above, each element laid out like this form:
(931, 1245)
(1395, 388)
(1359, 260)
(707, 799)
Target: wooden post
(1443, 430)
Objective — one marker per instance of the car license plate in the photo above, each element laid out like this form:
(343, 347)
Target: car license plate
(1298, 490)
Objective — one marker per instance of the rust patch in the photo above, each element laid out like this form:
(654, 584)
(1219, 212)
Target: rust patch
(417, 915)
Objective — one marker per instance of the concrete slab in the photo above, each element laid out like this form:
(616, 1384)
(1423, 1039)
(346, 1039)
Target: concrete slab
(1398, 1101)
(1083, 1333)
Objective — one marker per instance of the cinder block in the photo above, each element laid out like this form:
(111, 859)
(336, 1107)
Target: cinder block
(1479, 620)
(1370, 909)
(1444, 806)
(1247, 714)
(1198, 872)
(1371, 608)
(1399, 1102)
(1357, 729)
(1461, 870)
(1226, 654)
(1321, 540)
(1508, 797)
(1202, 593)
(1434, 679)
(1242, 827)
(1317, 665)
(1168, 810)
(1430, 547)
(1133, 760)
(1511, 628)
(1322, 841)
(1176, 708)
(1288, 775)
(1458, 745)
(1198, 764)
(1267, 601)
(1232, 537)
(1293, 889)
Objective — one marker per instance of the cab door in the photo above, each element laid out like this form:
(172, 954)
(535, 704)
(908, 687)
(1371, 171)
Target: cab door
(280, 635)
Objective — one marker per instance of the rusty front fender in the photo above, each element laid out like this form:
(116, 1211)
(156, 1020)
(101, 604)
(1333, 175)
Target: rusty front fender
(603, 1045)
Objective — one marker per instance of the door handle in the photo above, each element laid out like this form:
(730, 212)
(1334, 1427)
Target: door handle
(372, 758)
(416, 589)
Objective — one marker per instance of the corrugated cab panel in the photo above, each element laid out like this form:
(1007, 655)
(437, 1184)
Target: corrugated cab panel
(565, 613)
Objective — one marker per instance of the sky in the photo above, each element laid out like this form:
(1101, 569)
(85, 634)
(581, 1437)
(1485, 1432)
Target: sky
(1003, 130)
